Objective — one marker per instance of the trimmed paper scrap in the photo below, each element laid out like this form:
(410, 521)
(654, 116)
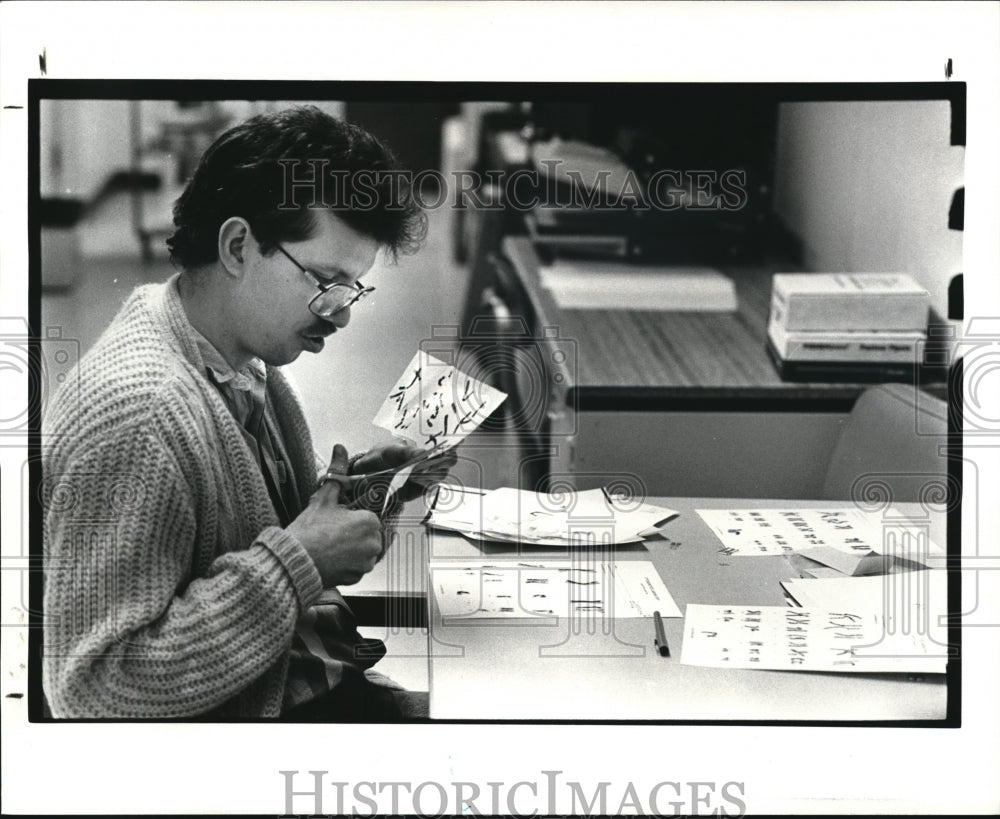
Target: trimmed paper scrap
(847, 563)
(804, 639)
(436, 406)
(556, 588)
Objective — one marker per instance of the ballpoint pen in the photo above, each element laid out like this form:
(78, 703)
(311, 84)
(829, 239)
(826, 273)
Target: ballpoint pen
(660, 641)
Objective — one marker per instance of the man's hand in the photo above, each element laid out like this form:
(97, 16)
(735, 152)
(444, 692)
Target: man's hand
(344, 544)
(392, 456)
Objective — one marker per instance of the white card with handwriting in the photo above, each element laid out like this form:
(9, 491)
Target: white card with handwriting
(806, 639)
(780, 531)
(436, 406)
(551, 588)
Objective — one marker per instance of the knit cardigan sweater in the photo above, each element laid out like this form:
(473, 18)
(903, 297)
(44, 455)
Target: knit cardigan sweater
(170, 590)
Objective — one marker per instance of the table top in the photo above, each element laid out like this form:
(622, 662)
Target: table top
(596, 669)
(672, 354)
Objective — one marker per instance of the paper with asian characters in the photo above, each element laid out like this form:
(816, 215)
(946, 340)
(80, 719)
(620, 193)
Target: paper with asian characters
(805, 639)
(552, 588)
(819, 532)
(436, 406)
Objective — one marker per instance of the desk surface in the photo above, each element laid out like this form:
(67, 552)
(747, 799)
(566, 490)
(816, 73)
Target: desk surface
(672, 354)
(593, 670)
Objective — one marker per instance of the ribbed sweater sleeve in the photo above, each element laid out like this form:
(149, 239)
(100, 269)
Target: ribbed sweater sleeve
(170, 591)
(134, 626)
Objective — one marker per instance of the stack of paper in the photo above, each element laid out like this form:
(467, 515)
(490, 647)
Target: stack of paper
(847, 326)
(592, 517)
(585, 284)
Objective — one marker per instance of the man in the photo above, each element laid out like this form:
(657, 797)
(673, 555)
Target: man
(182, 576)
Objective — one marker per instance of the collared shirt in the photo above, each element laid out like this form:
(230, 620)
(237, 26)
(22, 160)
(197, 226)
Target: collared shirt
(244, 392)
(326, 637)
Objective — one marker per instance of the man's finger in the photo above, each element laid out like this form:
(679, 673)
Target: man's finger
(398, 454)
(338, 461)
(337, 471)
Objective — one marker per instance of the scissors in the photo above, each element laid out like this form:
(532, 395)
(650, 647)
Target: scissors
(376, 480)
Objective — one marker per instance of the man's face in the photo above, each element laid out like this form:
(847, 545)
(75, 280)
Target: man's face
(276, 323)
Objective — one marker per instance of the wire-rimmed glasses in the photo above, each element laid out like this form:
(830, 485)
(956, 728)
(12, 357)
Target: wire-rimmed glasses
(333, 296)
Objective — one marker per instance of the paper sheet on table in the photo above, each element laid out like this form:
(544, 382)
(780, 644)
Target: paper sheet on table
(552, 588)
(804, 639)
(908, 541)
(540, 519)
(815, 570)
(582, 284)
(846, 530)
(923, 594)
(436, 406)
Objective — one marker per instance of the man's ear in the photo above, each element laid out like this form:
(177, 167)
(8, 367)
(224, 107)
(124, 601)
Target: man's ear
(235, 240)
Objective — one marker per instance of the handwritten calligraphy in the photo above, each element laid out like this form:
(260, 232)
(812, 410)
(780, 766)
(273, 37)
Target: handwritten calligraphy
(555, 588)
(782, 531)
(436, 406)
(804, 639)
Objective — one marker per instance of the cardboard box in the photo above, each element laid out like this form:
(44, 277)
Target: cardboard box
(847, 345)
(851, 372)
(848, 301)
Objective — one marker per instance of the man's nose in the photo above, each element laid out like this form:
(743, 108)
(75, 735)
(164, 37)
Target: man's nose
(341, 318)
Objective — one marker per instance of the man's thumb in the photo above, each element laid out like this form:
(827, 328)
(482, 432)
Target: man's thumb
(338, 466)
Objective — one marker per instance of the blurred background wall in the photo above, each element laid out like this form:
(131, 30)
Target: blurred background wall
(867, 186)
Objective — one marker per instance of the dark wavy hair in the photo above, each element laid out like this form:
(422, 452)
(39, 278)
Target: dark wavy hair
(257, 169)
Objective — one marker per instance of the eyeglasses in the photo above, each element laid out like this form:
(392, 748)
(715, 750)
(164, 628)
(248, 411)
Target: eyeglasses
(333, 296)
